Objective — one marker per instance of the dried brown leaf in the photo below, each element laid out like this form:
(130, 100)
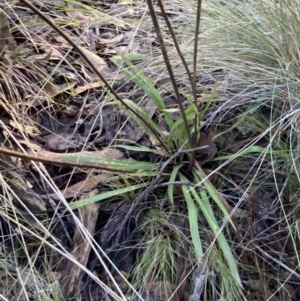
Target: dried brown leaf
(207, 153)
(50, 53)
(81, 89)
(58, 89)
(96, 60)
(31, 131)
(50, 89)
(78, 16)
(112, 41)
(63, 141)
(69, 111)
(81, 187)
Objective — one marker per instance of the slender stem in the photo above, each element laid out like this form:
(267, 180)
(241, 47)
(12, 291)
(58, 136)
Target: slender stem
(194, 77)
(175, 42)
(168, 65)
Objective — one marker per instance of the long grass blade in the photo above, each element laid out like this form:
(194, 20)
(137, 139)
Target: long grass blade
(193, 218)
(172, 178)
(207, 210)
(199, 173)
(105, 195)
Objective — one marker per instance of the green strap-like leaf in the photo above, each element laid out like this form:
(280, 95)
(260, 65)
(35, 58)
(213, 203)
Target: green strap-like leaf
(172, 179)
(193, 218)
(207, 210)
(104, 196)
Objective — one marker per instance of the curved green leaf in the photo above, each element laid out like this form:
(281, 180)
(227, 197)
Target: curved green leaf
(193, 218)
(172, 179)
(207, 210)
(104, 196)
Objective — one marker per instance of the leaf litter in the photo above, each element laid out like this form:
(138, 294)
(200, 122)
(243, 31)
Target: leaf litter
(59, 104)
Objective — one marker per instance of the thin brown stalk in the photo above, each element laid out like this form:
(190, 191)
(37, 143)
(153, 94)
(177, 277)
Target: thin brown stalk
(175, 42)
(168, 65)
(194, 77)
